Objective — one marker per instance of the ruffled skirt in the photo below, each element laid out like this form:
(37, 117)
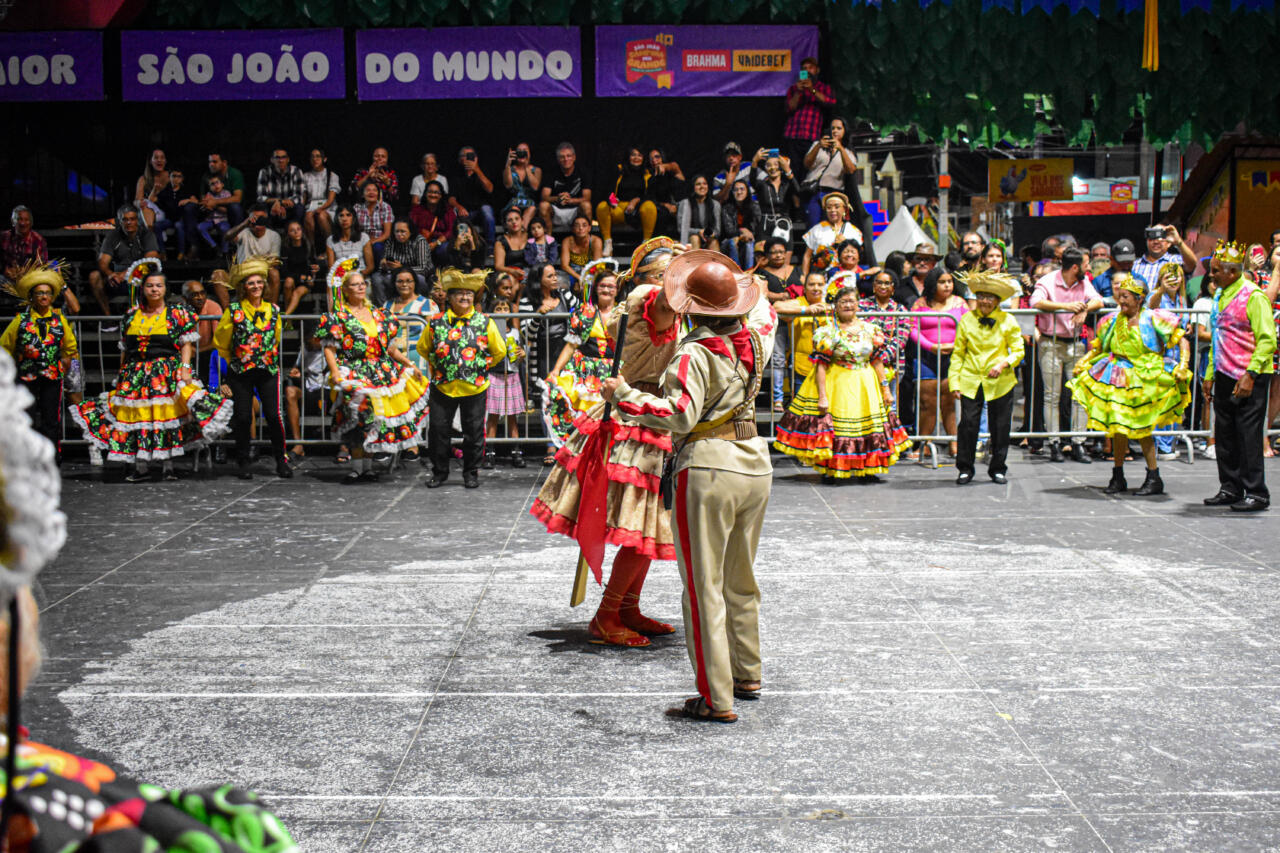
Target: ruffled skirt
(381, 401)
(634, 515)
(575, 392)
(857, 437)
(1121, 397)
(151, 415)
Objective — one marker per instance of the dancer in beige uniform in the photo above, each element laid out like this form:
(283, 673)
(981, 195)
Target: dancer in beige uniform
(722, 472)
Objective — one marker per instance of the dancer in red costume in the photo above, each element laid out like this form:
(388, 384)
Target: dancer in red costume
(634, 516)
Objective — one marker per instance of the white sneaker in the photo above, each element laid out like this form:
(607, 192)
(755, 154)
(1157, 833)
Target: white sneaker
(1166, 457)
(608, 249)
(1211, 452)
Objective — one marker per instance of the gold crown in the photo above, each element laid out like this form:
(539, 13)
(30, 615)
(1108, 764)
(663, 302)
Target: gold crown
(1125, 281)
(1229, 252)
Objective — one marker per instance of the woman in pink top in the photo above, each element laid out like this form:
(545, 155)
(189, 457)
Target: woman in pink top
(936, 337)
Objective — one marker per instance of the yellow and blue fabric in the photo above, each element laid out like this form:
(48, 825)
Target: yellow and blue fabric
(1123, 385)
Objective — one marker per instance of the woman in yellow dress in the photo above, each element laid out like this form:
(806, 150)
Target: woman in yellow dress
(379, 397)
(573, 385)
(842, 423)
(1123, 384)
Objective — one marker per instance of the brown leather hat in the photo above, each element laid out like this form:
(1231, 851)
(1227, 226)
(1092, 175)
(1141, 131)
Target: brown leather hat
(700, 281)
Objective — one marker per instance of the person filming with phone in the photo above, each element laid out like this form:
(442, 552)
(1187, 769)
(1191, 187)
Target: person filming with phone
(807, 98)
(1164, 246)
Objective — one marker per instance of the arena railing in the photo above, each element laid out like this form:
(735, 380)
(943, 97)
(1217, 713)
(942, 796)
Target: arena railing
(542, 337)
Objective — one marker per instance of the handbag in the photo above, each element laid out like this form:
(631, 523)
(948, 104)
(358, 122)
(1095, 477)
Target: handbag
(808, 187)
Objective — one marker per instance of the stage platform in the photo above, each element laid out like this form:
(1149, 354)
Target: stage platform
(1029, 667)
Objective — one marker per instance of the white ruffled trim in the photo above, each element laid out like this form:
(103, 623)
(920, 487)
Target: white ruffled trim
(220, 424)
(573, 339)
(330, 343)
(189, 338)
(36, 528)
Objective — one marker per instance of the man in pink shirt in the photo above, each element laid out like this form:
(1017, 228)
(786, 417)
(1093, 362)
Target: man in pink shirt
(1064, 298)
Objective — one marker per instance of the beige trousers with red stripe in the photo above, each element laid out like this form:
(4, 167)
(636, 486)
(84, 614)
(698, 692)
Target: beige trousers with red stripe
(716, 521)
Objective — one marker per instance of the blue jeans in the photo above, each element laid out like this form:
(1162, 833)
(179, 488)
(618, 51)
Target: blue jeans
(743, 255)
(1164, 443)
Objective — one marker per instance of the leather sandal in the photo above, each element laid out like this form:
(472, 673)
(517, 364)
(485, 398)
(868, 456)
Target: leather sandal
(696, 709)
(746, 689)
(632, 618)
(624, 637)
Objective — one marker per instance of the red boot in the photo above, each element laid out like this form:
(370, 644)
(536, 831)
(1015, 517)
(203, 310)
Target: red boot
(606, 628)
(638, 565)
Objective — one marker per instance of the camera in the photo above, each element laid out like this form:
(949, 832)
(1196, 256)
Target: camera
(522, 155)
(470, 158)
(772, 152)
(1156, 232)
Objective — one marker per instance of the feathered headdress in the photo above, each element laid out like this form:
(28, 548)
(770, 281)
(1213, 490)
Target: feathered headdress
(591, 272)
(137, 273)
(255, 265)
(35, 273)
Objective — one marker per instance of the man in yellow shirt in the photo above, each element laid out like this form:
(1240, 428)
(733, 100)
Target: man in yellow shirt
(42, 344)
(988, 347)
(460, 345)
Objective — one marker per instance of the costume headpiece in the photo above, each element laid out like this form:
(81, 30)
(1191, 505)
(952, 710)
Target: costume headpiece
(1125, 281)
(137, 273)
(1170, 267)
(593, 271)
(1000, 284)
(1229, 253)
(839, 281)
(456, 279)
(638, 264)
(700, 281)
(844, 199)
(256, 265)
(340, 270)
(33, 274)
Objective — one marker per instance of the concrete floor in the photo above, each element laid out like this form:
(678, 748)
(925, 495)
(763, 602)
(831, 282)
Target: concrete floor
(1028, 667)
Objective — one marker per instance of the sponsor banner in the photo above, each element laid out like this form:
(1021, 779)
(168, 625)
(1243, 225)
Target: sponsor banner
(232, 65)
(1030, 180)
(469, 62)
(700, 61)
(53, 66)
(1257, 199)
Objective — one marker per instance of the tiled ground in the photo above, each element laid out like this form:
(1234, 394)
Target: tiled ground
(1028, 667)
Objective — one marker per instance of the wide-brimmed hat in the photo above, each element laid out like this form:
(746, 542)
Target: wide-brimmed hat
(33, 275)
(701, 281)
(255, 265)
(925, 250)
(1000, 284)
(638, 266)
(456, 279)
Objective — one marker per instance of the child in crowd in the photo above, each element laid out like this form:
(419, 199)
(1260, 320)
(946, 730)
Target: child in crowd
(506, 389)
(217, 217)
(542, 247)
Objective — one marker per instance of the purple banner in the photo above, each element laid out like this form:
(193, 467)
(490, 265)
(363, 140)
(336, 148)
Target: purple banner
(55, 66)
(469, 62)
(700, 61)
(232, 65)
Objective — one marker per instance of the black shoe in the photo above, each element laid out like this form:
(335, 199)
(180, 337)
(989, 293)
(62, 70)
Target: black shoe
(1117, 484)
(1222, 498)
(244, 472)
(489, 457)
(1055, 452)
(471, 480)
(369, 477)
(517, 459)
(437, 480)
(283, 471)
(999, 478)
(1249, 503)
(351, 478)
(964, 478)
(1153, 485)
(1078, 454)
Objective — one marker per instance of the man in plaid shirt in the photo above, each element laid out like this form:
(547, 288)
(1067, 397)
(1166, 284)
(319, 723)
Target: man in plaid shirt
(806, 100)
(280, 187)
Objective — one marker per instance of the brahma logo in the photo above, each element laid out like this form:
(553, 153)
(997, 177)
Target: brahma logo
(648, 58)
(704, 60)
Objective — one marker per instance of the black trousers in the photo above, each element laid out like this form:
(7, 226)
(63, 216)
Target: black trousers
(439, 428)
(46, 410)
(999, 422)
(1238, 433)
(266, 385)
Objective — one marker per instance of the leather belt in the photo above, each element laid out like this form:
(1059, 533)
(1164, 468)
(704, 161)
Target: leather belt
(732, 431)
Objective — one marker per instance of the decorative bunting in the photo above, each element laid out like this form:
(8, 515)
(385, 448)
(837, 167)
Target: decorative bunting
(1189, 5)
